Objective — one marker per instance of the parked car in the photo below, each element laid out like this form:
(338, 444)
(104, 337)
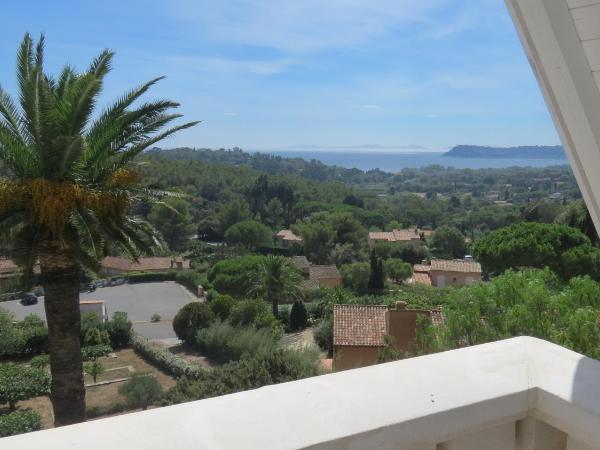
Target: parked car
(29, 298)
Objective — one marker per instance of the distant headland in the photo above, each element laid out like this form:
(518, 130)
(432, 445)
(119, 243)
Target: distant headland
(523, 152)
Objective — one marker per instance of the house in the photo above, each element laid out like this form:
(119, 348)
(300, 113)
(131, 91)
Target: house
(301, 262)
(359, 331)
(444, 272)
(454, 272)
(323, 276)
(114, 265)
(407, 235)
(287, 238)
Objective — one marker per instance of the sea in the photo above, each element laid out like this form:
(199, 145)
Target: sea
(396, 161)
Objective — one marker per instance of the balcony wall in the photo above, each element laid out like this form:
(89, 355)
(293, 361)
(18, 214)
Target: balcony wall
(518, 394)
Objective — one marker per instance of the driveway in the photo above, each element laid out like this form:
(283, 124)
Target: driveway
(140, 301)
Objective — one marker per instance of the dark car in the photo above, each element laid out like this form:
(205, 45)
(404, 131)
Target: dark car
(29, 299)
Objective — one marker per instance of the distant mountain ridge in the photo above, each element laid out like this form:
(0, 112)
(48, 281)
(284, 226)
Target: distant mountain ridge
(522, 152)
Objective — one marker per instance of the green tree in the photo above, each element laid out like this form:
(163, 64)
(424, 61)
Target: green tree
(233, 212)
(317, 240)
(20, 383)
(565, 250)
(190, 319)
(249, 234)
(68, 190)
(276, 279)
(173, 219)
(141, 391)
(94, 368)
(448, 242)
(397, 269)
(235, 276)
(298, 316)
(377, 274)
(356, 276)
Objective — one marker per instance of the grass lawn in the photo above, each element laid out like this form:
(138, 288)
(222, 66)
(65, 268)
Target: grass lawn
(105, 394)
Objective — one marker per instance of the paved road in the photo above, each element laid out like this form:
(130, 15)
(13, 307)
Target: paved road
(139, 301)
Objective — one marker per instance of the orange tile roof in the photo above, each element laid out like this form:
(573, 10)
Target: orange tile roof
(319, 272)
(148, 263)
(359, 325)
(423, 268)
(421, 278)
(455, 265)
(288, 235)
(412, 234)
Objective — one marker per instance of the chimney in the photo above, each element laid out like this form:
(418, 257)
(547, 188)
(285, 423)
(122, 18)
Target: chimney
(400, 306)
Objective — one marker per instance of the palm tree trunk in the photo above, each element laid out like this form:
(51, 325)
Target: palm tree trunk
(60, 278)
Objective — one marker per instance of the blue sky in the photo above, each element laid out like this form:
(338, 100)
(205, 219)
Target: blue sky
(278, 74)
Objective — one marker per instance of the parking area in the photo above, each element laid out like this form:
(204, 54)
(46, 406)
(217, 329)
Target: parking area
(139, 301)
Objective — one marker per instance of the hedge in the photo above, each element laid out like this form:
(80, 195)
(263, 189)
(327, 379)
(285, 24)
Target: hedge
(164, 359)
(187, 278)
(19, 422)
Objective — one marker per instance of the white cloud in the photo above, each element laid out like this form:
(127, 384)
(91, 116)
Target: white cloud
(302, 26)
(230, 66)
(369, 107)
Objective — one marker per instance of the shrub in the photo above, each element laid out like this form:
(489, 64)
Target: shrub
(324, 335)
(40, 361)
(19, 422)
(141, 391)
(397, 269)
(190, 280)
(147, 277)
(104, 410)
(190, 319)
(224, 342)
(221, 306)
(90, 321)
(21, 382)
(254, 313)
(159, 356)
(95, 352)
(119, 329)
(95, 336)
(298, 316)
(356, 276)
(155, 318)
(250, 372)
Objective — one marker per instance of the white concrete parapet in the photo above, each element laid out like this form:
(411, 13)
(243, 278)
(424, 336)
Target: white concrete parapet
(518, 394)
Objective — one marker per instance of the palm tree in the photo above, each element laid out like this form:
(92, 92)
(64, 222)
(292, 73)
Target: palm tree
(69, 189)
(276, 279)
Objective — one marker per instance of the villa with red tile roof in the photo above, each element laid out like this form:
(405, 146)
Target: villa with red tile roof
(359, 331)
(447, 272)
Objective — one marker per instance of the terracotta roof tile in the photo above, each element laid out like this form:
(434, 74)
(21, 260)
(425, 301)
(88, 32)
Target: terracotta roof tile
(288, 235)
(423, 268)
(455, 265)
(406, 235)
(319, 272)
(359, 325)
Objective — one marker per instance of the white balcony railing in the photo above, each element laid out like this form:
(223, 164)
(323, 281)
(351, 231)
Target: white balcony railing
(518, 394)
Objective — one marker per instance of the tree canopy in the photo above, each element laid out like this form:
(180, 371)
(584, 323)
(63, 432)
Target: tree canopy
(565, 250)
